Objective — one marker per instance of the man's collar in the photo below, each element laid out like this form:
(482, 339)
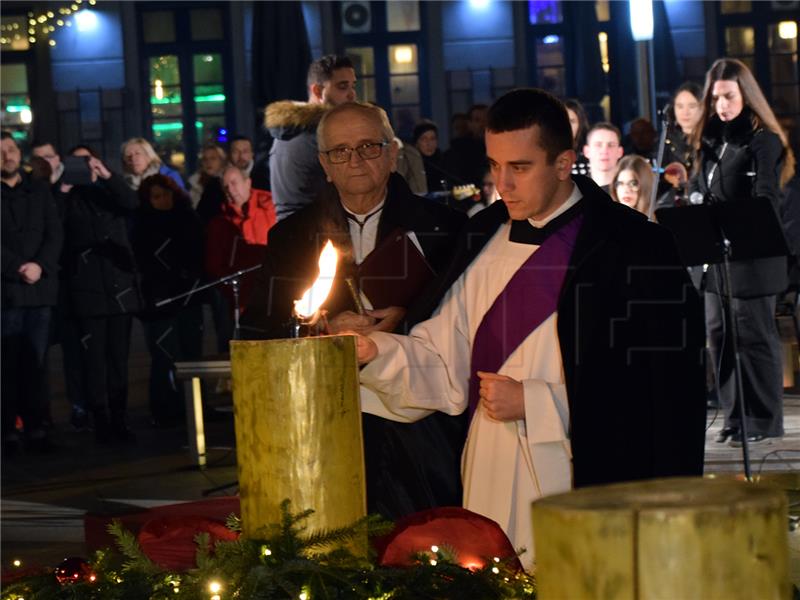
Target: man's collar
(571, 201)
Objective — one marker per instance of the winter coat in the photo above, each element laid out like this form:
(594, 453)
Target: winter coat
(32, 232)
(296, 175)
(100, 270)
(749, 168)
(168, 246)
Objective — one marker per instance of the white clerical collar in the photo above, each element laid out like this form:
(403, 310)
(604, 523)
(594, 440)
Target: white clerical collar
(573, 199)
(361, 219)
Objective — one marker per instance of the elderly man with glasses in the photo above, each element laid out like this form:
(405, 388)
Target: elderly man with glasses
(366, 207)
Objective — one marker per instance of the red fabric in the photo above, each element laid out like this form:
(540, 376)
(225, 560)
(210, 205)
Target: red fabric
(236, 240)
(170, 541)
(475, 538)
(95, 526)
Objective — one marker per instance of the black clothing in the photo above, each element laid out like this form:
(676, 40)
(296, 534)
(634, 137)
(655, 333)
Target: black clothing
(742, 162)
(749, 167)
(631, 338)
(211, 202)
(678, 149)
(31, 232)
(466, 160)
(760, 354)
(438, 179)
(581, 166)
(100, 271)
(409, 466)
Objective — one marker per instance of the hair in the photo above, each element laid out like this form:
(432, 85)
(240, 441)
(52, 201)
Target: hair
(525, 107)
(583, 121)
(179, 195)
(368, 110)
(38, 143)
(6, 135)
(695, 89)
(475, 107)
(321, 70)
(146, 146)
(423, 127)
(236, 138)
(731, 69)
(86, 147)
(644, 173)
(604, 125)
(40, 168)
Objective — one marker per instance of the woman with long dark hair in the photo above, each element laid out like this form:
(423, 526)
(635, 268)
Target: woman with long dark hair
(579, 123)
(744, 155)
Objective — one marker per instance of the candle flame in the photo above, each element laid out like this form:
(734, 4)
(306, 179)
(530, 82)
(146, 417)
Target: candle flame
(318, 292)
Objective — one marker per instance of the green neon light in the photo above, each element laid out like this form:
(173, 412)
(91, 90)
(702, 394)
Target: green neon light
(176, 99)
(15, 108)
(173, 126)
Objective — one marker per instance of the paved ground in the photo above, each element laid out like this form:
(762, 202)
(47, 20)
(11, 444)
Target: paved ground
(45, 498)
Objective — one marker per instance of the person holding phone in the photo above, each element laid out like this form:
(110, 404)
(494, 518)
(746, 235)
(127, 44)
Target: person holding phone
(101, 285)
(744, 154)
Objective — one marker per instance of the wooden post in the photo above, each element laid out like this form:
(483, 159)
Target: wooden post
(298, 430)
(692, 539)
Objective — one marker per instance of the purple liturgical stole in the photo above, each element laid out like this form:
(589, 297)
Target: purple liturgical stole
(528, 299)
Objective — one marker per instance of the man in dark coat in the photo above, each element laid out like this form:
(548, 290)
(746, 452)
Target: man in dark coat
(295, 173)
(569, 331)
(31, 243)
(410, 466)
(102, 288)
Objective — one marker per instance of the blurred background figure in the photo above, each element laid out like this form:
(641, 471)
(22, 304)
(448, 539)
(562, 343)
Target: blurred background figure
(580, 125)
(212, 161)
(426, 140)
(633, 183)
(139, 161)
(102, 288)
(642, 139)
(745, 156)
(603, 149)
(679, 154)
(168, 246)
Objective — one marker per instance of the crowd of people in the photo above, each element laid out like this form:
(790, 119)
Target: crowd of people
(455, 357)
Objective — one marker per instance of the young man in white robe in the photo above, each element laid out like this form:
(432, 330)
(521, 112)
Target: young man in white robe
(568, 327)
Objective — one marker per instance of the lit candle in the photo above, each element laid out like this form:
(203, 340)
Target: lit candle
(307, 311)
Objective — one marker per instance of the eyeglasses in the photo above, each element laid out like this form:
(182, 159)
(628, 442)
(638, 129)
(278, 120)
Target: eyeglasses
(367, 151)
(632, 185)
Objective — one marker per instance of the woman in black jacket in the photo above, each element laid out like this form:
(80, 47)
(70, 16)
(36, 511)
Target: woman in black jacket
(744, 154)
(102, 288)
(168, 245)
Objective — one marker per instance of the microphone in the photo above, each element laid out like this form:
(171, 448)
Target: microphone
(695, 198)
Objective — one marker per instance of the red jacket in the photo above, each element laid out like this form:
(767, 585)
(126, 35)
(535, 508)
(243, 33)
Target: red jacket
(236, 240)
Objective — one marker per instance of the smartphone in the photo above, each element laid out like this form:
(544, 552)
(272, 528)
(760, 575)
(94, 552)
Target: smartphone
(76, 171)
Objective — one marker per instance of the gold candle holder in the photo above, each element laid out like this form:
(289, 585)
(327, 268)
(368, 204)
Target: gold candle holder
(298, 431)
(661, 539)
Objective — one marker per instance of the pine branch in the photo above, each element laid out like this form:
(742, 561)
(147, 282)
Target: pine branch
(129, 546)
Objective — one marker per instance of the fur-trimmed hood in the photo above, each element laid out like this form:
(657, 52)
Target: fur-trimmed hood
(286, 119)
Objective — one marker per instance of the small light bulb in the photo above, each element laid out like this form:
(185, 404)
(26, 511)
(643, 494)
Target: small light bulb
(214, 587)
(50, 14)
(495, 570)
(17, 563)
(433, 562)
(266, 551)
(434, 549)
(303, 596)
(496, 559)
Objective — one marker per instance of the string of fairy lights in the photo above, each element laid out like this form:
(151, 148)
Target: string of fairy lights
(41, 25)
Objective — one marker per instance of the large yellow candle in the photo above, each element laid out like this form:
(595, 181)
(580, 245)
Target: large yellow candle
(298, 430)
(663, 539)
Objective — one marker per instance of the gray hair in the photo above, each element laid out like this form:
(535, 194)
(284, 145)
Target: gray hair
(375, 113)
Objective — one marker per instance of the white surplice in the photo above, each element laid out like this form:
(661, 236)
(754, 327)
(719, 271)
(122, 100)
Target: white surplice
(505, 465)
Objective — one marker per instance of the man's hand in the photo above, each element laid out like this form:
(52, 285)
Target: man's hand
(388, 318)
(66, 187)
(502, 397)
(97, 167)
(30, 272)
(366, 349)
(349, 321)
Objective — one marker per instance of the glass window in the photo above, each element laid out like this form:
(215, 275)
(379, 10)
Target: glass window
(165, 89)
(15, 107)
(364, 65)
(14, 33)
(730, 7)
(786, 99)
(549, 51)
(403, 59)
(402, 16)
(403, 120)
(405, 89)
(783, 68)
(552, 80)
(602, 11)
(206, 24)
(209, 96)
(782, 37)
(739, 41)
(158, 27)
(544, 11)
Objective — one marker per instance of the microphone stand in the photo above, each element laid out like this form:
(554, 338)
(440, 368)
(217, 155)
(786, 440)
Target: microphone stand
(662, 140)
(234, 280)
